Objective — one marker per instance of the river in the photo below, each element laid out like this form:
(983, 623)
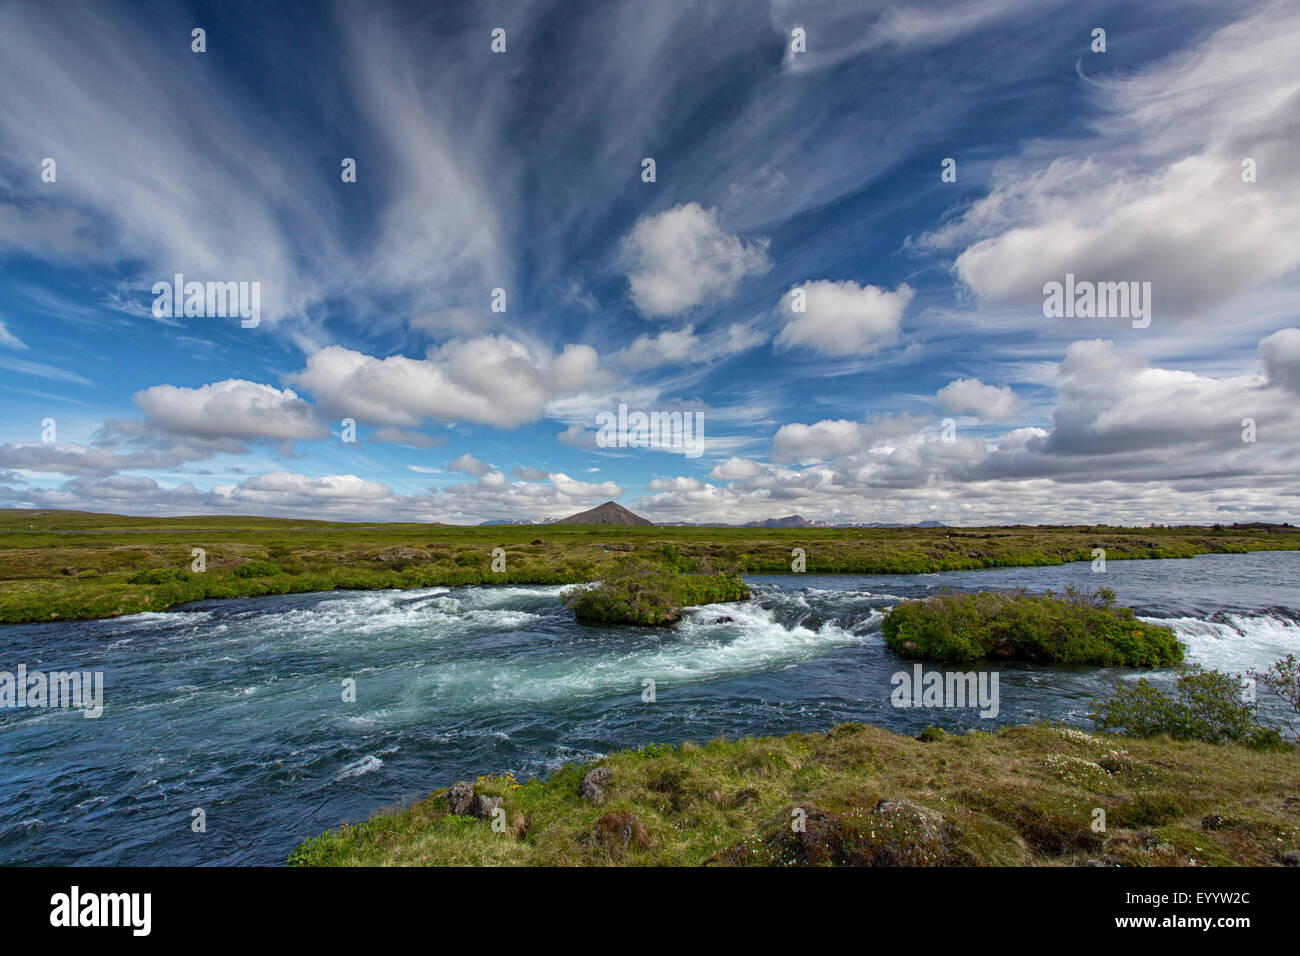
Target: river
(236, 707)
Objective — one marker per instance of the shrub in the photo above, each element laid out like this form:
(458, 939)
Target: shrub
(1080, 627)
(256, 569)
(1205, 705)
(1283, 679)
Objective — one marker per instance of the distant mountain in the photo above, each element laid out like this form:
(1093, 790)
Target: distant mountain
(495, 521)
(789, 521)
(608, 513)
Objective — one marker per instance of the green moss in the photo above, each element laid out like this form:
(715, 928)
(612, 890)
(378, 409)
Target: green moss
(1078, 628)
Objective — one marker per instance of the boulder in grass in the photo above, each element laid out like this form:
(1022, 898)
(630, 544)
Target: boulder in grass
(460, 797)
(592, 788)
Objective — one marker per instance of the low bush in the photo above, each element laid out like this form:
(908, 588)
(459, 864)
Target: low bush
(1204, 705)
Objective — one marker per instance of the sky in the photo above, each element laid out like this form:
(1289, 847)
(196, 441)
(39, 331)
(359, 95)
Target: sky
(836, 265)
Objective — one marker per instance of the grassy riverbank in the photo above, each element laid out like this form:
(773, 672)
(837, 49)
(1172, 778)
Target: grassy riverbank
(1020, 796)
(64, 565)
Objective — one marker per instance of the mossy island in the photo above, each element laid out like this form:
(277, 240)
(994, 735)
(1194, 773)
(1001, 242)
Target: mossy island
(1077, 627)
(638, 592)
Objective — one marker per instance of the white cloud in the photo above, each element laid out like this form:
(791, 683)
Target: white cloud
(681, 258)
(841, 318)
(834, 438)
(233, 408)
(470, 465)
(970, 396)
(490, 380)
(1156, 194)
(684, 347)
(736, 468)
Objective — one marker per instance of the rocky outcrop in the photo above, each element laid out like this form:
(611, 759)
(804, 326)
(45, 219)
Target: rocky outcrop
(460, 797)
(592, 788)
(483, 807)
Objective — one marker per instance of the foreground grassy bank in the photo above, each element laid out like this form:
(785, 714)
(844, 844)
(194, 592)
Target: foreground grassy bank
(57, 565)
(1020, 796)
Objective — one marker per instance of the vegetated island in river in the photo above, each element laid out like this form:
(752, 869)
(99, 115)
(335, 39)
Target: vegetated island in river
(61, 565)
(638, 592)
(1080, 627)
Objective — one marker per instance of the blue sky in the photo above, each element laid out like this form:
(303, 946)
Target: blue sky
(863, 340)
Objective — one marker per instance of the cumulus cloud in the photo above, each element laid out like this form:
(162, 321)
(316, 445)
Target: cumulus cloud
(492, 495)
(834, 438)
(1129, 442)
(470, 465)
(735, 467)
(681, 258)
(233, 408)
(1157, 193)
(970, 396)
(842, 317)
(490, 380)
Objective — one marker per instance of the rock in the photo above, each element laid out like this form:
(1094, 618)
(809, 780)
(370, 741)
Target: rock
(460, 797)
(1291, 858)
(617, 832)
(538, 541)
(483, 807)
(918, 833)
(592, 788)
